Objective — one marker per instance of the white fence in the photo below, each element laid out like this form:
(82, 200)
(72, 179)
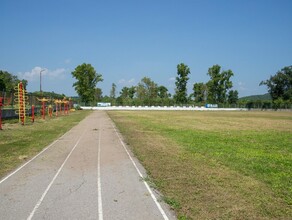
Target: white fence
(163, 108)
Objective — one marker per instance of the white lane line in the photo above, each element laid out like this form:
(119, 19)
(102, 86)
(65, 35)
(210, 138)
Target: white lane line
(11, 174)
(53, 180)
(100, 214)
(140, 174)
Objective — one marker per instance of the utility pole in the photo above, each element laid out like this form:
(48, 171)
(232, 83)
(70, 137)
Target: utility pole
(41, 80)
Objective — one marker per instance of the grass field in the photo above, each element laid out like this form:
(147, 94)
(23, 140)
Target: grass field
(18, 143)
(215, 165)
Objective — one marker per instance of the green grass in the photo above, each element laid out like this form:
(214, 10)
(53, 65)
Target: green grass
(19, 143)
(216, 165)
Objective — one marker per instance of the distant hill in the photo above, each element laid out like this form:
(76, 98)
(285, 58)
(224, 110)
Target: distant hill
(257, 97)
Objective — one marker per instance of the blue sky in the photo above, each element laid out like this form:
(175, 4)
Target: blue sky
(126, 40)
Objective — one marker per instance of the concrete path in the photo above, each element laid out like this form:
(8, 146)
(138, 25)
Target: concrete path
(88, 173)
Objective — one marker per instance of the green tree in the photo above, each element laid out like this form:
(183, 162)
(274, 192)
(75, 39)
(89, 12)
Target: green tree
(126, 95)
(233, 97)
(128, 92)
(106, 99)
(200, 92)
(2, 82)
(147, 91)
(219, 84)
(162, 92)
(132, 91)
(181, 83)
(98, 94)
(280, 85)
(113, 91)
(8, 81)
(87, 78)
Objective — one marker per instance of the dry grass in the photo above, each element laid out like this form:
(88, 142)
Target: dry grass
(198, 160)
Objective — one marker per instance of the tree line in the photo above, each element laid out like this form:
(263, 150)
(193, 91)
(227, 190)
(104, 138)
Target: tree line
(148, 93)
(217, 90)
(280, 87)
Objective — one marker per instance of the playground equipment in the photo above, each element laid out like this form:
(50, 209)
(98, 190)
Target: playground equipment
(70, 104)
(32, 113)
(50, 110)
(1, 112)
(43, 110)
(66, 106)
(20, 99)
(58, 106)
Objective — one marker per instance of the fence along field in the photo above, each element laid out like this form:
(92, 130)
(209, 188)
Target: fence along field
(215, 165)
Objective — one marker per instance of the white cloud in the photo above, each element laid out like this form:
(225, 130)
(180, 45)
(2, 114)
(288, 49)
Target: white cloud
(122, 81)
(132, 80)
(34, 74)
(125, 82)
(67, 61)
(171, 79)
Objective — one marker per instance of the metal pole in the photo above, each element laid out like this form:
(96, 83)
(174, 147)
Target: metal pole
(41, 80)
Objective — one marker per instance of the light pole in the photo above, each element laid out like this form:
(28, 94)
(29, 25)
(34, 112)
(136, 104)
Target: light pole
(41, 80)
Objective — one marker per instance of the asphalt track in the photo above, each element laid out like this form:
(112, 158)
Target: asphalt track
(88, 173)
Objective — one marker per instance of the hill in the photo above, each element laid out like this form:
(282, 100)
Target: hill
(263, 97)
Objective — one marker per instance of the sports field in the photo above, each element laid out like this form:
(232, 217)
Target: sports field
(215, 165)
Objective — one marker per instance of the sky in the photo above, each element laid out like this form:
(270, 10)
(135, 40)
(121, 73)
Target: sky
(126, 40)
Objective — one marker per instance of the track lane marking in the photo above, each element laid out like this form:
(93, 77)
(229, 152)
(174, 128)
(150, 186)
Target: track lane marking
(45, 149)
(11, 174)
(53, 180)
(141, 175)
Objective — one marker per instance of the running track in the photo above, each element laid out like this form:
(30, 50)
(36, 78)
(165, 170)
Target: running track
(88, 173)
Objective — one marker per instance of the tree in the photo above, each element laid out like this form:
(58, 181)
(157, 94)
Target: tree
(127, 92)
(98, 94)
(132, 91)
(126, 95)
(280, 85)
(87, 78)
(233, 97)
(181, 83)
(147, 90)
(200, 92)
(8, 81)
(2, 84)
(219, 84)
(162, 92)
(113, 91)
